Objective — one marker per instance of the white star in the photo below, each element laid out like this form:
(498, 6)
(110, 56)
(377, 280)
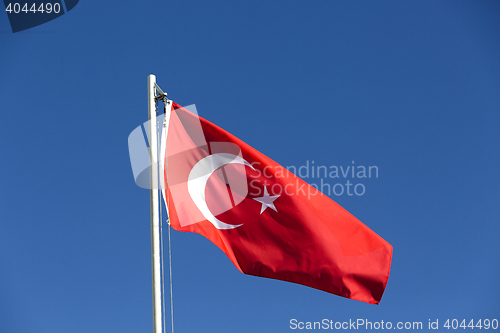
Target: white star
(267, 201)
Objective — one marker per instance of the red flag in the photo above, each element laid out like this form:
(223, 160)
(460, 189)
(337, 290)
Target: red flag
(268, 221)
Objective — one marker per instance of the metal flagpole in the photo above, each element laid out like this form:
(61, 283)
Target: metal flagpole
(154, 196)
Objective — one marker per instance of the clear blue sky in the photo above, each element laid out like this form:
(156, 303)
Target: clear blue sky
(411, 87)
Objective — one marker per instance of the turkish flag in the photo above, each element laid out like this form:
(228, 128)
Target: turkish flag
(268, 221)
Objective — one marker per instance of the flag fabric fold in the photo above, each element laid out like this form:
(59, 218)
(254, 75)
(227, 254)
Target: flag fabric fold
(269, 222)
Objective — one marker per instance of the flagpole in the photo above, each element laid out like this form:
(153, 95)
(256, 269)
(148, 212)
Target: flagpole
(154, 197)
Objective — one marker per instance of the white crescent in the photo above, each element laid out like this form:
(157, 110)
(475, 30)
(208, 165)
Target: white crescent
(197, 183)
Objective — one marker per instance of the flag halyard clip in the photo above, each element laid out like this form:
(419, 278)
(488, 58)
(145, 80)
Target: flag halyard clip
(161, 95)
